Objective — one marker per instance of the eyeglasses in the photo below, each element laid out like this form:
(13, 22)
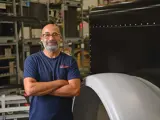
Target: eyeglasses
(47, 35)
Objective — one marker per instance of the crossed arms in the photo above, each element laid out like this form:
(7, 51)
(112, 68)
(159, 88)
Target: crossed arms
(66, 88)
(57, 88)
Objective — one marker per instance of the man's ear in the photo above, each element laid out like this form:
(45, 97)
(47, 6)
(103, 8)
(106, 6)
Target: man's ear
(41, 38)
(61, 37)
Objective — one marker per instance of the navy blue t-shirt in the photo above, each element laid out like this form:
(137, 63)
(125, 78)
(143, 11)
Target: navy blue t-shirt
(44, 69)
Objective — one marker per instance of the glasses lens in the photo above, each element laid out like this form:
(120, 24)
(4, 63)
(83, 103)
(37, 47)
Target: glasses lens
(55, 34)
(46, 35)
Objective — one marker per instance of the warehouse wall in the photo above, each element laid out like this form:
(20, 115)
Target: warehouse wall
(88, 3)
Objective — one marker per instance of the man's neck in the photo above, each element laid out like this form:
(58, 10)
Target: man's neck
(51, 54)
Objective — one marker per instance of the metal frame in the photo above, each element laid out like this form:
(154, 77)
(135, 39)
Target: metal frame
(22, 26)
(78, 4)
(64, 5)
(24, 41)
(6, 100)
(15, 39)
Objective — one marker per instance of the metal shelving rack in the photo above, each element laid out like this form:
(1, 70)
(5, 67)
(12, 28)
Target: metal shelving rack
(34, 41)
(14, 18)
(63, 6)
(14, 43)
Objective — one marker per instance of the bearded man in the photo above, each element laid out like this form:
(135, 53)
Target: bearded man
(51, 79)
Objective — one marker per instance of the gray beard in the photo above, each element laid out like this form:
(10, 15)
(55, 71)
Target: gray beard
(51, 48)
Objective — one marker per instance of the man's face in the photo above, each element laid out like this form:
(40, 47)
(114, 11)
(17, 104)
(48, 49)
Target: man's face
(51, 39)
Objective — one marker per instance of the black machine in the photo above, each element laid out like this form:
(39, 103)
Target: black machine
(125, 38)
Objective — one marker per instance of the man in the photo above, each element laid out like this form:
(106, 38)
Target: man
(52, 79)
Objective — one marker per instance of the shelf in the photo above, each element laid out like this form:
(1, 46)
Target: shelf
(7, 44)
(7, 75)
(67, 3)
(55, 5)
(5, 38)
(7, 57)
(6, 67)
(14, 109)
(7, 2)
(73, 3)
(6, 22)
(30, 40)
(32, 20)
(73, 39)
(6, 13)
(10, 86)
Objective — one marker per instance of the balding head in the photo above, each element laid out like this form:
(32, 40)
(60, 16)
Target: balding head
(51, 28)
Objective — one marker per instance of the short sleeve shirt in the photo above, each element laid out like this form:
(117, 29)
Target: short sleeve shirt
(44, 69)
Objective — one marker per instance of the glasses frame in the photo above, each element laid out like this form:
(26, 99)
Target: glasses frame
(55, 34)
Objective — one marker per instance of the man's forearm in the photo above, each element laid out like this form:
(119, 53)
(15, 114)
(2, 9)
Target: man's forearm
(43, 92)
(65, 91)
(39, 88)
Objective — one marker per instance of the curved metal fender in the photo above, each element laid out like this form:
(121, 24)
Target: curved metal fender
(126, 97)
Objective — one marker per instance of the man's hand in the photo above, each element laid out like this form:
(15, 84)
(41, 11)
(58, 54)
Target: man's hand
(69, 90)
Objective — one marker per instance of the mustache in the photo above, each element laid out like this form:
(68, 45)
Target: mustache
(52, 41)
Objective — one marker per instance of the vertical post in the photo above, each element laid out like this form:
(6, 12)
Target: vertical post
(48, 10)
(22, 30)
(89, 10)
(63, 22)
(30, 32)
(82, 18)
(30, 37)
(16, 37)
(3, 105)
(82, 39)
